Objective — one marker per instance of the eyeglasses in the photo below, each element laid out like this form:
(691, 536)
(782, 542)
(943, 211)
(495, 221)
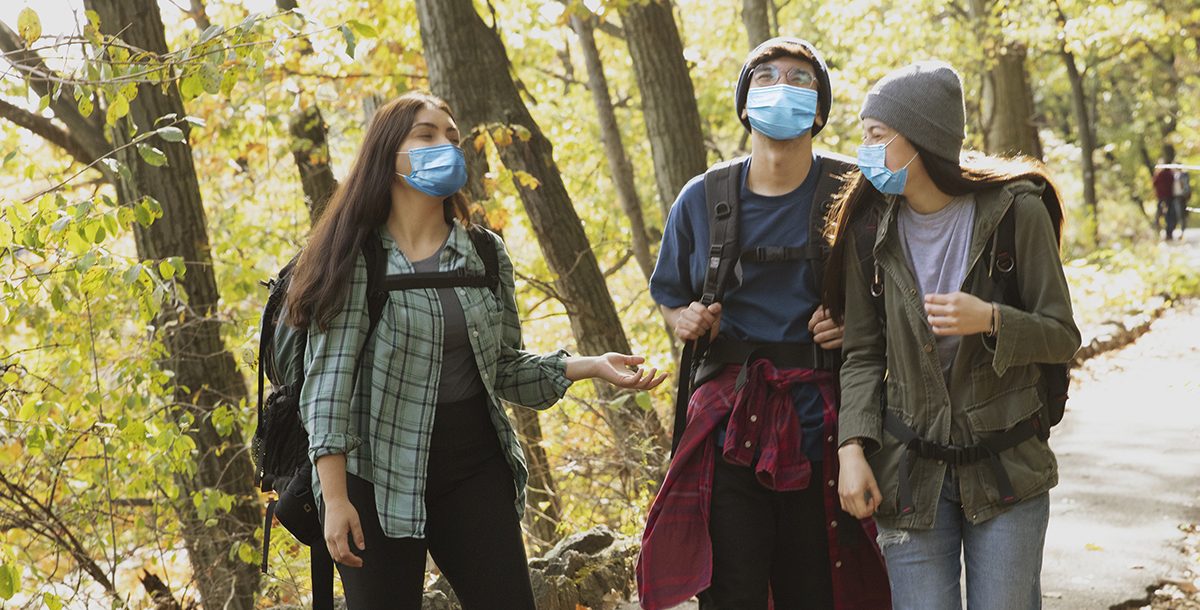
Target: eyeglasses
(765, 75)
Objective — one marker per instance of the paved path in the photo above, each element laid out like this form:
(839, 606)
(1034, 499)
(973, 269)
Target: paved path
(1129, 461)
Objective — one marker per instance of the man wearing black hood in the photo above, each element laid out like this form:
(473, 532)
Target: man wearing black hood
(749, 509)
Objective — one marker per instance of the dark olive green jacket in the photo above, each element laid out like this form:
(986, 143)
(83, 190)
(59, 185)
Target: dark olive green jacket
(993, 385)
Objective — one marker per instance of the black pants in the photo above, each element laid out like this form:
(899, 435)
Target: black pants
(763, 538)
(472, 529)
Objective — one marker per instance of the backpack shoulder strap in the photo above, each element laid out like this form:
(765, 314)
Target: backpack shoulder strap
(377, 297)
(486, 246)
(722, 183)
(834, 168)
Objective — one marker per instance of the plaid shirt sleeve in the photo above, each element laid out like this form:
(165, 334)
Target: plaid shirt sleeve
(524, 378)
(329, 383)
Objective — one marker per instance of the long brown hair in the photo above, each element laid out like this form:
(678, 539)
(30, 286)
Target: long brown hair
(974, 173)
(359, 206)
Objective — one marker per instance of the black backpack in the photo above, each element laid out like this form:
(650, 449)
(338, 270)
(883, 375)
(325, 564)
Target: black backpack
(722, 188)
(280, 445)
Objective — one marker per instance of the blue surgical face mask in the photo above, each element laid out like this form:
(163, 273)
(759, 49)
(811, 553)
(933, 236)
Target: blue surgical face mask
(781, 112)
(872, 160)
(437, 171)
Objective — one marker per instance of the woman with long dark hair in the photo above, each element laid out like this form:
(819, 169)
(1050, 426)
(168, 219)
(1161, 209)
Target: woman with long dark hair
(412, 449)
(946, 271)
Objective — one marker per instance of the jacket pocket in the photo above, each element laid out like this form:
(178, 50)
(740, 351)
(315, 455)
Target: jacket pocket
(1001, 402)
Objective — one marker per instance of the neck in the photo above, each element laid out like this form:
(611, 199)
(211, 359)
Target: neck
(778, 167)
(922, 195)
(416, 222)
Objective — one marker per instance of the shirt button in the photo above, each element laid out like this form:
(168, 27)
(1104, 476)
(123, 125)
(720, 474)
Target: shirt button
(475, 333)
(748, 444)
(833, 524)
(837, 564)
(485, 375)
(829, 439)
(831, 483)
(753, 418)
(928, 348)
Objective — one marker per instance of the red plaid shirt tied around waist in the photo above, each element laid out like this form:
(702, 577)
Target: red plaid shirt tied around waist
(676, 559)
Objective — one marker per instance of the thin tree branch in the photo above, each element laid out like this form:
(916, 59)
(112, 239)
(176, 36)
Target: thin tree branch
(45, 128)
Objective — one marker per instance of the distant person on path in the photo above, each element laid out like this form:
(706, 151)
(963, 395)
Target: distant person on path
(748, 511)
(1173, 190)
(414, 452)
(942, 395)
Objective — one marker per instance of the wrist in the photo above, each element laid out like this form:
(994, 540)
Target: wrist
(580, 367)
(851, 446)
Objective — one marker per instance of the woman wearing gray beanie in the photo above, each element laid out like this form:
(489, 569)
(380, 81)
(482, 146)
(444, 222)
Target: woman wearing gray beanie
(946, 270)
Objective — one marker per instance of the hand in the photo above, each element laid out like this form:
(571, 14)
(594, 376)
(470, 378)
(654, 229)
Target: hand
(693, 320)
(857, 489)
(958, 314)
(341, 521)
(623, 371)
(826, 333)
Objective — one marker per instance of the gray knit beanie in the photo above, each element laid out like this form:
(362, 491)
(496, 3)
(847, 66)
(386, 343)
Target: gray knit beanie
(924, 102)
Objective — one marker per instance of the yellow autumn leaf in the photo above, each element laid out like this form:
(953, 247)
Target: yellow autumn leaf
(29, 26)
(526, 180)
(480, 141)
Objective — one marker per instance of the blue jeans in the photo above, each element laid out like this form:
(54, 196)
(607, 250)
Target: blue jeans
(1003, 556)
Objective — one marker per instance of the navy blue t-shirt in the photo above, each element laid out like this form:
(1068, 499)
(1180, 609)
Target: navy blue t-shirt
(774, 301)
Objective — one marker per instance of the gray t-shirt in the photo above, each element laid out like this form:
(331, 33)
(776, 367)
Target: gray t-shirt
(460, 375)
(937, 246)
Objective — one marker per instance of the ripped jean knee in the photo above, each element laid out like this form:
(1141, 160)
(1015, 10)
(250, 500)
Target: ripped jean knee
(888, 538)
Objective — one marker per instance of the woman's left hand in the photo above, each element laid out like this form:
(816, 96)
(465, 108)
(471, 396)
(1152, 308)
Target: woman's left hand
(958, 313)
(623, 371)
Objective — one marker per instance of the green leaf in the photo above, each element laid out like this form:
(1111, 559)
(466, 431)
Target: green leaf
(210, 78)
(191, 86)
(117, 108)
(170, 134)
(8, 582)
(29, 26)
(52, 601)
(351, 40)
(6, 232)
(85, 108)
(43, 102)
(9, 156)
(152, 155)
(166, 270)
(362, 29)
(643, 401)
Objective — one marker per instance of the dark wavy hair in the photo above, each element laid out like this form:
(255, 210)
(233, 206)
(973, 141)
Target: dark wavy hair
(359, 206)
(974, 173)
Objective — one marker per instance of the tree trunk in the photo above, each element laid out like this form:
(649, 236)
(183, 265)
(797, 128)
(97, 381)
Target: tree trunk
(1007, 108)
(310, 140)
(610, 136)
(476, 81)
(756, 17)
(1083, 122)
(668, 98)
(544, 510)
(206, 373)
(1087, 141)
(310, 149)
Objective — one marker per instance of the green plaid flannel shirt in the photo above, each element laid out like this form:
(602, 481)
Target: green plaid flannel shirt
(383, 423)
